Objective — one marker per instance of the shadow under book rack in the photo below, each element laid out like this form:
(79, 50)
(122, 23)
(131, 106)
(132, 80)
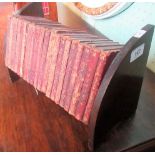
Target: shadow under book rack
(119, 91)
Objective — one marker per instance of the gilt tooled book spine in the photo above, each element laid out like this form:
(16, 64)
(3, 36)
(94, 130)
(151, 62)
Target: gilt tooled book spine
(63, 70)
(65, 101)
(79, 80)
(43, 58)
(23, 48)
(103, 63)
(19, 46)
(71, 59)
(13, 44)
(50, 63)
(38, 47)
(8, 41)
(85, 91)
(31, 52)
(34, 54)
(28, 51)
(57, 69)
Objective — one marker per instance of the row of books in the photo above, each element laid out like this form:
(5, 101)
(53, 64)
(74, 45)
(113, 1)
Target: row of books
(64, 63)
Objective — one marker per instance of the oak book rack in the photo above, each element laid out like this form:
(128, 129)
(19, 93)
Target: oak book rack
(120, 88)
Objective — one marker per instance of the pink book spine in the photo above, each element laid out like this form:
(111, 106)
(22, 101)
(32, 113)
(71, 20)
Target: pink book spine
(8, 41)
(65, 101)
(13, 44)
(79, 80)
(27, 49)
(43, 58)
(30, 53)
(103, 63)
(19, 46)
(71, 58)
(50, 63)
(58, 66)
(38, 56)
(23, 48)
(84, 95)
(67, 52)
(32, 61)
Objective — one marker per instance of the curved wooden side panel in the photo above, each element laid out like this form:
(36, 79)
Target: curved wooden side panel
(118, 94)
(31, 9)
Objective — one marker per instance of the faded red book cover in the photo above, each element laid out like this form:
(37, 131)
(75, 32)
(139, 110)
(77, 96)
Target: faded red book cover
(28, 50)
(79, 80)
(103, 63)
(8, 40)
(22, 55)
(19, 46)
(38, 56)
(66, 100)
(50, 62)
(13, 44)
(43, 58)
(85, 91)
(71, 59)
(58, 67)
(63, 70)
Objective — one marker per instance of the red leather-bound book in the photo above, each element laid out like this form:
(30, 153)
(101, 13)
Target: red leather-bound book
(51, 60)
(22, 54)
(43, 58)
(28, 50)
(8, 40)
(64, 63)
(38, 56)
(19, 46)
(103, 63)
(79, 79)
(51, 89)
(68, 74)
(65, 101)
(13, 44)
(85, 91)
(64, 71)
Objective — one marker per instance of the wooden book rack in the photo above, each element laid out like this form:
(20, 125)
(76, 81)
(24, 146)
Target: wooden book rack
(119, 91)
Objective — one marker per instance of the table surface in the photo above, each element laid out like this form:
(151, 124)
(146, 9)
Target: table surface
(137, 133)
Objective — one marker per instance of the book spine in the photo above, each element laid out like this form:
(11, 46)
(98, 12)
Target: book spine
(18, 45)
(79, 80)
(43, 58)
(50, 64)
(84, 94)
(32, 60)
(72, 54)
(63, 70)
(103, 63)
(23, 48)
(38, 56)
(8, 41)
(27, 50)
(57, 69)
(29, 69)
(13, 44)
(65, 101)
